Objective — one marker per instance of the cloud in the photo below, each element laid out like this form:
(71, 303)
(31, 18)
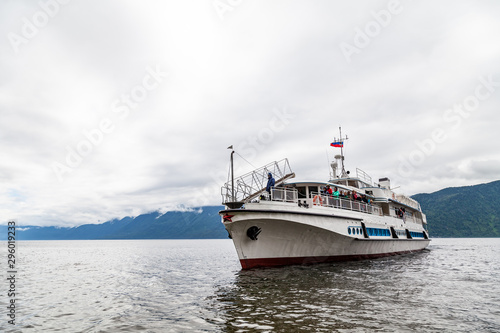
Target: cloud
(226, 82)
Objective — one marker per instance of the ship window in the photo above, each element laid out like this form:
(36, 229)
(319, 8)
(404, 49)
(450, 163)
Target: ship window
(313, 189)
(352, 183)
(349, 230)
(301, 192)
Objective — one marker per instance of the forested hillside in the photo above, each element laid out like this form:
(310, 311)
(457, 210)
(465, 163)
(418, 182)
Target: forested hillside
(469, 211)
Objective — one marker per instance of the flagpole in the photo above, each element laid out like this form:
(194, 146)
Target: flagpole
(339, 143)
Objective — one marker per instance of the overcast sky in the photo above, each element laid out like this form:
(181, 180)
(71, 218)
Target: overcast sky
(117, 108)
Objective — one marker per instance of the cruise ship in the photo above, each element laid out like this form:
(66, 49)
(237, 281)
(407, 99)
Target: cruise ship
(304, 221)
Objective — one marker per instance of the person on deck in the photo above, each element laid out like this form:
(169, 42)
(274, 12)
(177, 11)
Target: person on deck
(328, 191)
(270, 182)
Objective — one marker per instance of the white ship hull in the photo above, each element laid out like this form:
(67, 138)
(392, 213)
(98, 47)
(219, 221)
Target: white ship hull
(296, 235)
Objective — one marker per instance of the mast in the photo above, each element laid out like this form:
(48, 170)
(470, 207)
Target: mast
(341, 140)
(232, 173)
(342, 150)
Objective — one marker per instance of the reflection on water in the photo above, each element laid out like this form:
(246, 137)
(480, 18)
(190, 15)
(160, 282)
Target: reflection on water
(322, 298)
(404, 293)
(197, 286)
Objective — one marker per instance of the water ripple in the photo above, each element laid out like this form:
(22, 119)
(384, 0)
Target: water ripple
(197, 286)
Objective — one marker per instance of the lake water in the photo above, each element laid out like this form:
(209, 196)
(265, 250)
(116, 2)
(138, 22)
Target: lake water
(197, 286)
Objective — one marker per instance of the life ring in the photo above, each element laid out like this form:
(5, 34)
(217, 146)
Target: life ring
(318, 198)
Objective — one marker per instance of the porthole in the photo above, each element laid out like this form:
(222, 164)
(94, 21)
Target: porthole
(357, 231)
(349, 230)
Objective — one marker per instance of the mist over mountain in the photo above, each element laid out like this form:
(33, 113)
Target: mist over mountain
(198, 223)
(468, 211)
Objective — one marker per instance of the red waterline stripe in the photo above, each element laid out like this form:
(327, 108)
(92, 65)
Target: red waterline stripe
(273, 262)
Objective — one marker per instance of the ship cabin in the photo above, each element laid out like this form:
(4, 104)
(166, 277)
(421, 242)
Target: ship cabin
(355, 193)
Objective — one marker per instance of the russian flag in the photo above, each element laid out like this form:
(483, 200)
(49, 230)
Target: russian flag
(338, 144)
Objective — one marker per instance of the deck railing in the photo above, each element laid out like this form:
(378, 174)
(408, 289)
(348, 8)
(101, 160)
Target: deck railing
(342, 203)
(284, 194)
(291, 195)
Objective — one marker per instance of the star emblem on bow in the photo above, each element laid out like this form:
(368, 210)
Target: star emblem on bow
(227, 217)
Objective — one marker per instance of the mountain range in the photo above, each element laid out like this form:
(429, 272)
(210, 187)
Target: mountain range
(197, 223)
(468, 211)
